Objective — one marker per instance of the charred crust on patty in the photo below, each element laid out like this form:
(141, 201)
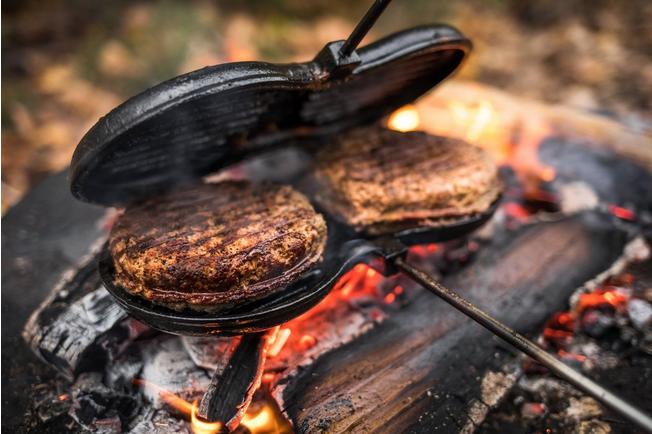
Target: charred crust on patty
(380, 181)
(215, 246)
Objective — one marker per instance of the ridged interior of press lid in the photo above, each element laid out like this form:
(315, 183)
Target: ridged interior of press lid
(185, 128)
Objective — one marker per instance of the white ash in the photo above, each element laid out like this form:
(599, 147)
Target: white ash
(159, 422)
(167, 365)
(495, 386)
(210, 352)
(593, 426)
(547, 389)
(582, 408)
(577, 196)
(640, 314)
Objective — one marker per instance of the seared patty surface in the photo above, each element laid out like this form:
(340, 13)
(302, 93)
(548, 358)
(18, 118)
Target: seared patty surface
(216, 245)
(381, 181)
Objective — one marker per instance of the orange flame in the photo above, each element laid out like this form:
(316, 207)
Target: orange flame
(262, 422)
(361, 278)
(504, 132)
(404, 119)
(277, 342)
(200, 426)
(259, 419)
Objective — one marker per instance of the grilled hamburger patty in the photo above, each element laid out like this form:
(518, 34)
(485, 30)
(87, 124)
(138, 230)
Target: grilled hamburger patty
(216, 245)
(380, 181)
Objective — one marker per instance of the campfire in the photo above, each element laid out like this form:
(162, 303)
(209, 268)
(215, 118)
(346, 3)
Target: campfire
(362, 300)
(559, 259)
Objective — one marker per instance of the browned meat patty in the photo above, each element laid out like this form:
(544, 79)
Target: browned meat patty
(380, 181)
(216, 245)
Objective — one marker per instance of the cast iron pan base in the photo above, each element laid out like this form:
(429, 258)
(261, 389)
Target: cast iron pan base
(343, 250)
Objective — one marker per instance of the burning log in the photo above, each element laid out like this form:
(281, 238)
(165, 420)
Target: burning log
(503, 122)
(231, 389)
(415, 373)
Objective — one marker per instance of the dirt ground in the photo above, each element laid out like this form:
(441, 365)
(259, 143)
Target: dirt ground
(65, 63)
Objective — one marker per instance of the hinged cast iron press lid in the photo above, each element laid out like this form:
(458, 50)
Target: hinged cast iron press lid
(197, 123)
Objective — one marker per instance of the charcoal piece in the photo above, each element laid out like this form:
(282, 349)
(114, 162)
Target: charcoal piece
(232, 389)
(84, 335)
(99, 408)
(50, 402)
(212, 353)
(80, 328)
(121, 373)
(596, 323)
(167, 365)
(109, 425)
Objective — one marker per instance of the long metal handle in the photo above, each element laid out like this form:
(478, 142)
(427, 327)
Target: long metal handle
(363, 27)
(528, 347)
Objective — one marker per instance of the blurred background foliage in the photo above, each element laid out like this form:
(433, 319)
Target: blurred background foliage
(67, 62)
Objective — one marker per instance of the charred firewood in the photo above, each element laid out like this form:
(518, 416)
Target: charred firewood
(232, 389)
(80, 328)
(629, 182)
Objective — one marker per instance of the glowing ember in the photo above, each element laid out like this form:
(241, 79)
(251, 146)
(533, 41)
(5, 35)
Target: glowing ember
(404, 119)
(559, 329)
(307, 341)
(63, 397)
(602, 298)
(603, 302)
(516, 211)
(622, 213)
(424, 250)
(574, 356)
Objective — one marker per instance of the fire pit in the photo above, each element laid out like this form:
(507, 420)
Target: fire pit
(377, 354)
